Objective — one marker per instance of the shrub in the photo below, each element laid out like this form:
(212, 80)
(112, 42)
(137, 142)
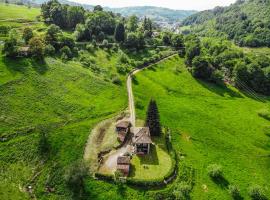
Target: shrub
(27, 34)
(122, 69)
(256, 192)
(234, 191)
(49, 50)
(215, 171)
(90, 47)
(182, 191)
(75, 176)
(36, 47)
(116, 80)
(4, 29)
(66, 50)
(123, 58)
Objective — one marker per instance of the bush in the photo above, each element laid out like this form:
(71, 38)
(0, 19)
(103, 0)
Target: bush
(66, 50)
(234, 191)
(215, 171)
(49, 50)
(90, 48)
(36, 47)
(256, 192)
(116, 80)
(123, 58)
(182, 191)
(75, 176)
(122, 69)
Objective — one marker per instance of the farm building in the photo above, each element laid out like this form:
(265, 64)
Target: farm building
(141, 140)
(123, 164)
(122, 129)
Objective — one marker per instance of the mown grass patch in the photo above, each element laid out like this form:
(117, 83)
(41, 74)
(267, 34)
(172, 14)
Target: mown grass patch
(12, 11)
(209, 124)
(153, 166)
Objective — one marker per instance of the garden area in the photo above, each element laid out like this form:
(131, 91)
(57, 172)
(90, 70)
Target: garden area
(154, 166)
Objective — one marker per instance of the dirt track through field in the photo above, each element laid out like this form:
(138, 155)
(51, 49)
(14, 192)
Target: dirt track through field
(130, 92)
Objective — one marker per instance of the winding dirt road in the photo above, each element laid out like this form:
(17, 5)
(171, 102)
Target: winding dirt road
(131, 104)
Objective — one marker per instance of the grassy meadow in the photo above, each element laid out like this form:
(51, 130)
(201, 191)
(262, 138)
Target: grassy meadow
(210, 124)
(17, 12)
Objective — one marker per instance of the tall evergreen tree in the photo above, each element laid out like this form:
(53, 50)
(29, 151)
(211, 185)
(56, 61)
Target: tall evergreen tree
(152, 119)
(119, 33)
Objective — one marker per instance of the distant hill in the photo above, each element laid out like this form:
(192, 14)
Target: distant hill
(157, 14)
(246, 22)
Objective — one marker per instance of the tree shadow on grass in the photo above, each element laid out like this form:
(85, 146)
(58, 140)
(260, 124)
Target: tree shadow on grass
(151, 158)
(221, 182)
(40, 66)
(16, 64)
(220, 90)
(22, 64)
(134, 80)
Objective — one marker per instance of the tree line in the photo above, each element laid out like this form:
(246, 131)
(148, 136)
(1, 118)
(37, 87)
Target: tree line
(98, 27)
(217, 60)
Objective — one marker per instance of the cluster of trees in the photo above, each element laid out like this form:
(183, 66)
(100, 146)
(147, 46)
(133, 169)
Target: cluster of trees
(64, 16)
(99, 25)
(245, 22)
(217, 60)
(34, 45)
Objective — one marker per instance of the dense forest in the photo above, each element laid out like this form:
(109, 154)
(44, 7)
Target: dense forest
(246, 22)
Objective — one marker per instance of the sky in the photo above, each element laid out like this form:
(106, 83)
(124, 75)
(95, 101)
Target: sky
(173, 4)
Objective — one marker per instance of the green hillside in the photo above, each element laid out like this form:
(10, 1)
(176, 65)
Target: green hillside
(246, 22)
(64, 99)
(209, 124)
(8, 12)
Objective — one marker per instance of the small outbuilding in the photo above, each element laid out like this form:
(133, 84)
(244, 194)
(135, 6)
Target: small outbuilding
(122, 129)
(141, 140)
(123, 164)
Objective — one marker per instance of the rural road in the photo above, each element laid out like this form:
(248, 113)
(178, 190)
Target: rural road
(131, 104)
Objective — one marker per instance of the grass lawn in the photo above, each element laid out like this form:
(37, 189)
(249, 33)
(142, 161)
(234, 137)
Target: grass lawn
(12, 11)
(209, 124)
(154, 165)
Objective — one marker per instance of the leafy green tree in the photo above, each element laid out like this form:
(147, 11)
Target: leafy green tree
(11, 44)
(132, 40)
(27, 34)
(97, 22)
(177, 41)
(193, 49)
(80, 32)
(132, 23)
(98, 8)
(201, 68)
(65, 51)
(119, 33)
(152, 118)
(36, 47)
(75, 15)
(52, 35)
(166, 39)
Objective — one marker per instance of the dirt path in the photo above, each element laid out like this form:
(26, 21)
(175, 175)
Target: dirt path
(131, 104)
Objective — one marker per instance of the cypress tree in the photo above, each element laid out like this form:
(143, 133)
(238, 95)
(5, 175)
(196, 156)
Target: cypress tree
(152, 119)
(119, 33)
